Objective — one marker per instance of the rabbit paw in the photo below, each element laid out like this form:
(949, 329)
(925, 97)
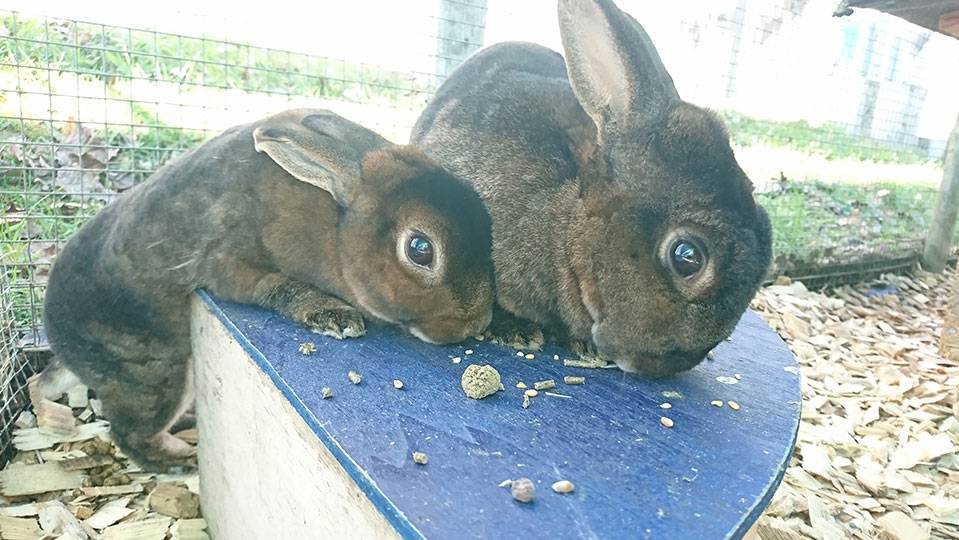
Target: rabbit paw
(516, 333)
(337, 322)
(584, 349)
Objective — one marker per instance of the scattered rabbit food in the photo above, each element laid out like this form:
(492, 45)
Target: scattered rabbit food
(733, 405)
(716, 403)
(666, 421)
(666, 405)
(523, 490)
(544, 385)
(530, 356)
(354, 377)
(572, 379)
(420, 458)
(307, 348)
(326, 392)
(563, 486)
(398, 384)
(480, 381)
(532, 392)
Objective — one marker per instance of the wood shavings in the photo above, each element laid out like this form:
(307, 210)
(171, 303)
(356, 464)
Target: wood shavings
(189, 529)
(12, 528)
(877, 454)
(174, 501)
(26, 440)
(19, 479)
(148, 529)
(110, 513)
(55, 419)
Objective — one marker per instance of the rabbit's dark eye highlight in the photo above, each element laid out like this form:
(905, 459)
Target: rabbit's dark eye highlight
(687, 258)
(419, 250)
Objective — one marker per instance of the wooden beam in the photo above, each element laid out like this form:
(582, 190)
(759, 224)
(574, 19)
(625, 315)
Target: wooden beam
(939, 240)
(949, 341)
(949, 23)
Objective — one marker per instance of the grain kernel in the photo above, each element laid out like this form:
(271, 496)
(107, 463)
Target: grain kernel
(666, 421)
(398, 384)
(733, 405)
(563, 486)
(716, 403)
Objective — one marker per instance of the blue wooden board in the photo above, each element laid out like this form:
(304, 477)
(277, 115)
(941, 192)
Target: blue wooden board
(709, 476)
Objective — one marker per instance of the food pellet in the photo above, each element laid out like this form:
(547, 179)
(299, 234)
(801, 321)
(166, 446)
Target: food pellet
(307, 348)
(563, 486)
(733, 405)
(572, 379)
(716, 403)
(666, 421)
(469, 351)
(556, 357)
(531, 393)
(354, 377)
(457, 359)
(523, 490)
(480, 381)
(326, 392)
(544, 385)
(398, 384)
(530, 356)
(521, 385)
(738, 377)
(520, 353)
(480, 337)
(711, 355)
(420, 458)
(666, 405)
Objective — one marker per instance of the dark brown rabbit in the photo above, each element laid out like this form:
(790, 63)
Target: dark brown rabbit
(620, 215)
(303, 212)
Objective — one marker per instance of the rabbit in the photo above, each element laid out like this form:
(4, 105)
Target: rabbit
(304, 212)
(621, 219)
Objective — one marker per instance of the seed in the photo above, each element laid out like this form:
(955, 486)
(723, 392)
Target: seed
(544, 385)
(457, 359)
(420, 458)
(738, 377)
(354, 377)
(480, 337)
(398, 384)
(572, 379)
(556, 357)
(521, 385)
(307, 348)
(326, 392)
(563, 486)
(520, 353)
(469, 351)
(730, 338)
(530, 356)
(666, 421)
(531, 393)
(733, 405)
(716, 403)
(523, 490)
(711, 355)
(666, 405)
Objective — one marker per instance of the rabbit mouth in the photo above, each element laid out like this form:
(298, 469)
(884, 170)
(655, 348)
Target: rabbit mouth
(659, 365)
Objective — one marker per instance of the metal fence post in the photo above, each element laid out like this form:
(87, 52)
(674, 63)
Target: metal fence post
(939, 241)
(462, 25)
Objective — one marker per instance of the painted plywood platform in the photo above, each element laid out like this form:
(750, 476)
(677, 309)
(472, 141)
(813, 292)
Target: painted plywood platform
(277, 460)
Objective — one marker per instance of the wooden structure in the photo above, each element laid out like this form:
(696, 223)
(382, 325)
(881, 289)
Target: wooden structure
(936, 15)
(278, 460)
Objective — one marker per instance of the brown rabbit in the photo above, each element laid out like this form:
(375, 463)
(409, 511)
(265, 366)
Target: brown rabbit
(304, 212)
(620, 215)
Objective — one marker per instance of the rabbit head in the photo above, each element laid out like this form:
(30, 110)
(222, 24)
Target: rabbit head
(413, 242)
(665, 245)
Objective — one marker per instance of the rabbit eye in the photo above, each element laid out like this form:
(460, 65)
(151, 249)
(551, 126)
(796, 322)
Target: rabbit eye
(419, 250)
(687, 258)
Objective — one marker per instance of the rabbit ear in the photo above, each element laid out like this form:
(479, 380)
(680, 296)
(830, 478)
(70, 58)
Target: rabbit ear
(319, 148)
(613, 66)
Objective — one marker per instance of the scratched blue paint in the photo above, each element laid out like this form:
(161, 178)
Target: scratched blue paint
(710, 476)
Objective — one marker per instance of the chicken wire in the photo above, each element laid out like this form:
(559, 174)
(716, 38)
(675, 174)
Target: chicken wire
(841, 123)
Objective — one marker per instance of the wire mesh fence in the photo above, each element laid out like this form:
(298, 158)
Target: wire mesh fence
(841, 123)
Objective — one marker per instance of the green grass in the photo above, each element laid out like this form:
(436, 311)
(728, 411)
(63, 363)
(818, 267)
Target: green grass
(115, 55)
(830, 140)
